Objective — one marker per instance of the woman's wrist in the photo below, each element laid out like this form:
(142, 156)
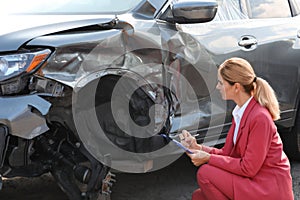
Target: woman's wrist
(207, 157)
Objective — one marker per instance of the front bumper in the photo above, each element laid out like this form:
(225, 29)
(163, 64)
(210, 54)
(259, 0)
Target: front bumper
(18, 114)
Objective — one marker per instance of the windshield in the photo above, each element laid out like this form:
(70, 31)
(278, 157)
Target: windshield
(67, 6)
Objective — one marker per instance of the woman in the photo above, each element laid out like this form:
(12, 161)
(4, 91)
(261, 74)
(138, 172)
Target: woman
(252, 164)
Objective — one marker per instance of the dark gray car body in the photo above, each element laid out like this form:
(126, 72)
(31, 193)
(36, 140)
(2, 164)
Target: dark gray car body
(164, 64)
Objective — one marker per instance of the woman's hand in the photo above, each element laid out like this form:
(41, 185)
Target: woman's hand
(199, 157)
(189, 141)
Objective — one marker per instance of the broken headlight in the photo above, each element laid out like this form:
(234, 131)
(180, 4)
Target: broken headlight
(13, 65)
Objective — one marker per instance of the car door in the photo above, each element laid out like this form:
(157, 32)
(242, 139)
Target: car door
(270, 44)
(264, 33)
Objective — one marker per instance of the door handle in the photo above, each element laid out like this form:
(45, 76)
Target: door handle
(247, 42)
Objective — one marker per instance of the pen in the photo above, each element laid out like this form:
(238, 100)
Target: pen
(178, 144)
(192, 135)
(174, 136)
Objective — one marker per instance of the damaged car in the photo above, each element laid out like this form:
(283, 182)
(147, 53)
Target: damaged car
(89, 88)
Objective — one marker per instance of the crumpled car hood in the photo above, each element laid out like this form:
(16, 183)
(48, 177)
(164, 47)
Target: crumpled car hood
(15, 32)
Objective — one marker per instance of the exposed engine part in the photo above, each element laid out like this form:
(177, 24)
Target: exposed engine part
(47, 87)
(79, 174)
(82, 173)
(20, 154)
(57, 151)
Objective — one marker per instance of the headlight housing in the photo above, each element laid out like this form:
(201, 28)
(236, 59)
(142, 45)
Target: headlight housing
(14, 64)
(15, 67)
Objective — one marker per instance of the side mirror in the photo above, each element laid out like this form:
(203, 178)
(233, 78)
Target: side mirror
(193, 11)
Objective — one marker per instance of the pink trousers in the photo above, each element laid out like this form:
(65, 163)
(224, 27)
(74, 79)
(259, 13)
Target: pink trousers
(214, 183)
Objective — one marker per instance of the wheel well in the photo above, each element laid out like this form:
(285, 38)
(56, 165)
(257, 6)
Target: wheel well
(117, 125)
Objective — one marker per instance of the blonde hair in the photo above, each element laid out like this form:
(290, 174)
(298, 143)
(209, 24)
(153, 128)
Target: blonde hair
(238, 70)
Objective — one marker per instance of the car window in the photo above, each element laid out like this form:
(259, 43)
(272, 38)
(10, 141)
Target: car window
(295, 4)
(230, 10)
(268, 8)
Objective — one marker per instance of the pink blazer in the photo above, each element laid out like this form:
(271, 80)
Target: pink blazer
(257, 158)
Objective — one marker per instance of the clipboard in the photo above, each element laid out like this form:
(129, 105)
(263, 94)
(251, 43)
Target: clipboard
(177, 143)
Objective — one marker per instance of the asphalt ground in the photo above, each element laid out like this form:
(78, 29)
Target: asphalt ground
(175, 182)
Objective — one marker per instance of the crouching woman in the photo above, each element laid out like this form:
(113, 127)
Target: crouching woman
(252, 164)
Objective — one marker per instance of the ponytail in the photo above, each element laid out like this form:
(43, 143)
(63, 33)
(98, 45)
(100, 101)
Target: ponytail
(265, 96)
